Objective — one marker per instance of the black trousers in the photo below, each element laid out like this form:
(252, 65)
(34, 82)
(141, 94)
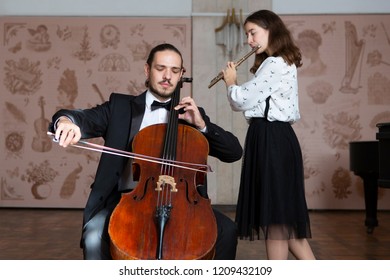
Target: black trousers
(226, 245)
(96, 242)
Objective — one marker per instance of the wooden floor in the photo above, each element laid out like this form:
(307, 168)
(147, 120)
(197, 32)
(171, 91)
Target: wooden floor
(53, 234)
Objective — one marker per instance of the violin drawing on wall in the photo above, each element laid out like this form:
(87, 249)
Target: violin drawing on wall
(41, 143)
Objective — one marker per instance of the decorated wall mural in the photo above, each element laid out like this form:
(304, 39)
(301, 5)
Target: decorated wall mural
(344, 92)
(49, 63)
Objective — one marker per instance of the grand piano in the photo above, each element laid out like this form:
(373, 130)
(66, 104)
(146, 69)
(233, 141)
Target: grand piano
(370, 160)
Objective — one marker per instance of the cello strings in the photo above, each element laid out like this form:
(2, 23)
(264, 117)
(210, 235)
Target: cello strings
(167, 162)
(139, 156)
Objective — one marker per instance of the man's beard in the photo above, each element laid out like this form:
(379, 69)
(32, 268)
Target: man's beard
(164, 94)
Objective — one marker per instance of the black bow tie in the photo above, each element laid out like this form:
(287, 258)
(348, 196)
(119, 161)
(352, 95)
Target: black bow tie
(155, 105)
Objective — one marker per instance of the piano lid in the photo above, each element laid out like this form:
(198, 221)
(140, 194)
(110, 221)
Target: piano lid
(383, 125)
(383, 131)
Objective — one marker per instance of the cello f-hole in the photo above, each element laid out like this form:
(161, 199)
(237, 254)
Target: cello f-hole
(140, 197)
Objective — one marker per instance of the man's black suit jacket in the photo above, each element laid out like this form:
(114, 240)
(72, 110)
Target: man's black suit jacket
(117, 121)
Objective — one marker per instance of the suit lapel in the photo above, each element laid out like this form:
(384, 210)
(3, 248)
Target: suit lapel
(138, 111)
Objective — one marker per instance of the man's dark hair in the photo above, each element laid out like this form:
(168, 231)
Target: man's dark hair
(160, 48)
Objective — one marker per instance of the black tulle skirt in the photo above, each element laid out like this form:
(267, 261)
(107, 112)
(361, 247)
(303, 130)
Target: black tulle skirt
(271, 202)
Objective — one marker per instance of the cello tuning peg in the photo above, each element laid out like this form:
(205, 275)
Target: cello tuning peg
(186, 80)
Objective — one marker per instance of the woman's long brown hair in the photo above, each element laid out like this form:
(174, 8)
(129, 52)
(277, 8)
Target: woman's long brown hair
(280, 41)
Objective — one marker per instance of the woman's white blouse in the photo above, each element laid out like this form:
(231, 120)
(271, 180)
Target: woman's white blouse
(274, 78)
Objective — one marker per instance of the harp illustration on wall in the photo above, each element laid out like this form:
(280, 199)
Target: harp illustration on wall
(354, 50)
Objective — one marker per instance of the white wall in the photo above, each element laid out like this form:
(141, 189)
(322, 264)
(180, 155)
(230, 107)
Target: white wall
(176, 7)
(96, 7)
(330, 6)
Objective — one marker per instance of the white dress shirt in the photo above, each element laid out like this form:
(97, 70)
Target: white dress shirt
(159, 115)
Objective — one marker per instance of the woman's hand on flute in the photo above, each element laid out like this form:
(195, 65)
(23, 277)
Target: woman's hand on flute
(230, 74)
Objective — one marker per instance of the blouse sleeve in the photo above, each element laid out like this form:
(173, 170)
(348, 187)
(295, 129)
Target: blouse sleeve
(266, 81)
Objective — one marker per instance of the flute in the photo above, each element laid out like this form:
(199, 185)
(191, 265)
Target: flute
(245, 57)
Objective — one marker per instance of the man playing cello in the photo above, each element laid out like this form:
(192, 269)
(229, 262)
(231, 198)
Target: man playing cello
(117, 121)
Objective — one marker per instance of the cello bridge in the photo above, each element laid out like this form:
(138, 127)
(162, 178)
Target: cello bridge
(165, 179)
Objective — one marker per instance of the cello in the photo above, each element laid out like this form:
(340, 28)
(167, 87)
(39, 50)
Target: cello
(165, 217)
